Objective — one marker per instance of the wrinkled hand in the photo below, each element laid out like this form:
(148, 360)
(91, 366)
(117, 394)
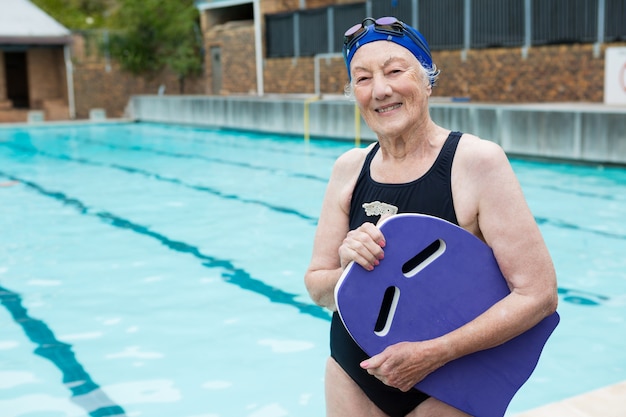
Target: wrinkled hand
(364, 245)
(404, 364)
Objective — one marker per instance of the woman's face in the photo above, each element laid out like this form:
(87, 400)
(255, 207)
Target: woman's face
(390, 88)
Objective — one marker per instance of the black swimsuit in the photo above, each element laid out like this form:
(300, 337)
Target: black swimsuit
(431, 194)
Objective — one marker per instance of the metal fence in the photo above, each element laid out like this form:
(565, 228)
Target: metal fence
(453, 24)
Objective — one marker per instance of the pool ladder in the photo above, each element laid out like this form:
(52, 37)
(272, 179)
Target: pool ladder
(307, 123)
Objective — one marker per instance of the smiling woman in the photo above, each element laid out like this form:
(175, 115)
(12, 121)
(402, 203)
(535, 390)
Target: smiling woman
(418, 167)
(385, 114)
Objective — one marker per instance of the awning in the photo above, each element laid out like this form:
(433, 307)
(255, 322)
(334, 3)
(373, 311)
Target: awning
(23, 23)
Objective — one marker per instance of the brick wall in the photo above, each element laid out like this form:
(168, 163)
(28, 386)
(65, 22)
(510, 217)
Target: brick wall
(102, 84)
(47, 86)
(95, 87)
(564, 73)
(46, 76)
(96, 84)
(278, 6)
(238, 68)
(561, 73)
(236, 42)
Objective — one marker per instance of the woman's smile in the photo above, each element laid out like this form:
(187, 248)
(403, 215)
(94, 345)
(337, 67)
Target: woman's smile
(388, 108)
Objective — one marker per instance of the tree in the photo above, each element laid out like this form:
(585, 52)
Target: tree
(151, 35)
(78, 14)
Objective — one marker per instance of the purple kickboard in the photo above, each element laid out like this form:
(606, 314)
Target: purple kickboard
(460, 284)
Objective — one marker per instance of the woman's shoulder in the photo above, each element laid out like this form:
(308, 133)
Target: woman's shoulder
(478, 144)
(352, 159)
(480, 152)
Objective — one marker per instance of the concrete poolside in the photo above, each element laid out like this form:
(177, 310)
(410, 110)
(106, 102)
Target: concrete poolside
(608, 401)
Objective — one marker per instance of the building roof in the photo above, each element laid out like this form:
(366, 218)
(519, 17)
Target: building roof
(218, 4)
(23, 23)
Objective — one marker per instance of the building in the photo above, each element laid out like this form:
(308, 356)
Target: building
(488, 50)
(35, 65)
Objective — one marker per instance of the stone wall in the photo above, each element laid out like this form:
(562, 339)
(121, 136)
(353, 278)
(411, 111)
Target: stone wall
(553, 73)
(100, 83)
(560, 73)
(236, 42)
(110, 89)
(278, 6)
(46, 76)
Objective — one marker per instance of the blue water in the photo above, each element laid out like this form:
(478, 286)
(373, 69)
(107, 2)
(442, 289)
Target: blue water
(153, 270)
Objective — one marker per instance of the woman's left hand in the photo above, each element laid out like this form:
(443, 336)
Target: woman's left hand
(404, 364)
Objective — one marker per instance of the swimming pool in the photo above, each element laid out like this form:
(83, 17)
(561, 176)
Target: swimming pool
(156, 270)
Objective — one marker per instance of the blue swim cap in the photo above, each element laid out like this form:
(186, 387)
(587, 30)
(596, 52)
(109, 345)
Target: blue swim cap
(386, 29)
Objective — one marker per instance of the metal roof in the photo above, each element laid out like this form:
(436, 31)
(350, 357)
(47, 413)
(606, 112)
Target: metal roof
(23, 23)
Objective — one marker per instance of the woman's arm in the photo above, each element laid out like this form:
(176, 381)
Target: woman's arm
(493, 208)
(334, 246)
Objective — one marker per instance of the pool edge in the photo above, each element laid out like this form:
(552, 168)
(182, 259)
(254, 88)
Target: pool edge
(603, 402)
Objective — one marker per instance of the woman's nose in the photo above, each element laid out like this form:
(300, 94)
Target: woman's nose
(381, 89)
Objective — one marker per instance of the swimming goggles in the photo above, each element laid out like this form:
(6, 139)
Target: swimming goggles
(386, 24)
(386, 28)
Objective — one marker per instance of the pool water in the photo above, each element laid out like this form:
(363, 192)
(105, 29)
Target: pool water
(157, 270)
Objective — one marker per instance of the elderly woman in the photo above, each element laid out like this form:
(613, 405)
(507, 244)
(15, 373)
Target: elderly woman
(417, 166)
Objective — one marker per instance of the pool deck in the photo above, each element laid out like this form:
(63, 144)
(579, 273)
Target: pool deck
(603, 402)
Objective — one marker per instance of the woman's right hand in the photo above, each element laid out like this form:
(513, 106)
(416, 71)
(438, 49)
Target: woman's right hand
(363, 245)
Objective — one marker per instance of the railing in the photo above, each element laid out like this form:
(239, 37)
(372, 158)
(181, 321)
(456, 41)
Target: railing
(453, 24)
(306, 117)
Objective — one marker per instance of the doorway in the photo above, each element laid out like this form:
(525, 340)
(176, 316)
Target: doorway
(216, 69)
(16, 73)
